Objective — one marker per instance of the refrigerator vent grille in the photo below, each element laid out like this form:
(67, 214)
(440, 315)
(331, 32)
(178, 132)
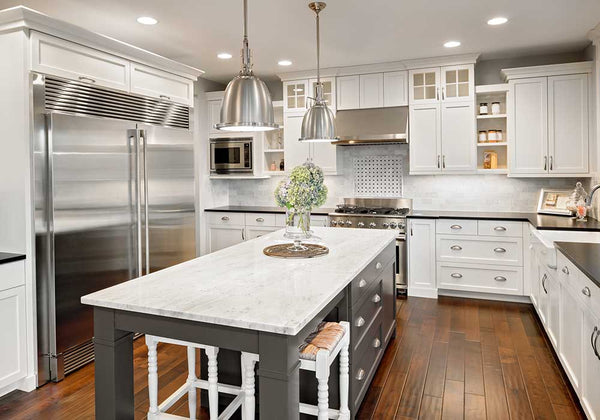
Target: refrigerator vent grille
(79, 98)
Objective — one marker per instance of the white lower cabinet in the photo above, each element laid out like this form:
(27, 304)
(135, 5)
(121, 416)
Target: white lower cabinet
(571, 341)
(220, 237)
(552, 303)
(253, 232)
(421, 258)
(590, 387)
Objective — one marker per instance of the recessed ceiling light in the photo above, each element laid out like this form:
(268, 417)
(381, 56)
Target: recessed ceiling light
(285, 63)
(147, 20)
(452, 44)
(224, 56)
(497, 21)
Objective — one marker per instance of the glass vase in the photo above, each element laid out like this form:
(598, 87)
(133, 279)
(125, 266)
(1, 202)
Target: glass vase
(297, 227)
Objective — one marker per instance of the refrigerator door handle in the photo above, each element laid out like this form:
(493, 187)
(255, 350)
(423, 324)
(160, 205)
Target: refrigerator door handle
(144, 179)
(134, 139)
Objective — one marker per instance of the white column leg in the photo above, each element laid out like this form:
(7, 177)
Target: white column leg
(323, 386)
(191, 356)
(344, 380)
(213, 378)
(248, 386)
(152, 376)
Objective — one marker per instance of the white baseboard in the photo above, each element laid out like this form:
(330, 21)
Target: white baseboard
(485, 296)
(422, 292)
(28, 384)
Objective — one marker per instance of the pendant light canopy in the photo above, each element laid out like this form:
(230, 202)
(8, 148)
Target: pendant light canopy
(318, 124)
(247, 104)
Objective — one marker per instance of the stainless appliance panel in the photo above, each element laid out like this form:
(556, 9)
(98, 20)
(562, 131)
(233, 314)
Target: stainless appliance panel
(231, 155)
(401, 265)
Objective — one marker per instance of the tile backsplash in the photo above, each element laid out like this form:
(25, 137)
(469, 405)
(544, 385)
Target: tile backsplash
(429, 192)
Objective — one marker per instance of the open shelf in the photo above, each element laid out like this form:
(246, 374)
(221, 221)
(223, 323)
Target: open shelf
(274, 151)
(491, 116)
(498, 171)
(489, 144)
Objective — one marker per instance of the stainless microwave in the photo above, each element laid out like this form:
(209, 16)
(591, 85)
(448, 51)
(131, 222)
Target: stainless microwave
(231, 155)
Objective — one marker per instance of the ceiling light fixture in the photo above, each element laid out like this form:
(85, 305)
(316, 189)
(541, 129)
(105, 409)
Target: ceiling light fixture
(224, 56)
(497, 21)
(147, 20)
(452, 44)
(318, 122)
(247, 104)
(285, 63)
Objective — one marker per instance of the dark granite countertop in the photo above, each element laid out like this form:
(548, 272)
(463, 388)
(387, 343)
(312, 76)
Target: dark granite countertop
(539, 221)
(6, 257)
(322, 211)
(584, 256)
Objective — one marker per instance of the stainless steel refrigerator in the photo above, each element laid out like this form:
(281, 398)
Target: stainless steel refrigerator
(114, 199)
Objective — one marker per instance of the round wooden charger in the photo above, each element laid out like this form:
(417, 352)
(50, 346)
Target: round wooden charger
(287, 251)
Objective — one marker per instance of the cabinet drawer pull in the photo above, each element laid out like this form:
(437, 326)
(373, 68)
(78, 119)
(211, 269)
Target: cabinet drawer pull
(87, 79)
(362, 283)
(225, 218)
(376, 343)
(500, 278)
(594, 340)
(456, 227)
(164, 97)
(360, 322)
(376, 298)
(260, 219)
(544, 283)
(456, 248)
(360, 375)
(500, 250)
(586, 291)
(565, 270)
(378, 266)
(500, 229)
(456, 275)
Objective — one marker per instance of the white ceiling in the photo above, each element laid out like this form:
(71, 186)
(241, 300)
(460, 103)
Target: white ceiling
(352, 31)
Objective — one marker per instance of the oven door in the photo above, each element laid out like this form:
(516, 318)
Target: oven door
(230, 156)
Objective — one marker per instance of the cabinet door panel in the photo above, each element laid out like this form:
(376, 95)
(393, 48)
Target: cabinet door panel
(458, 83)
(424, 86)
(591, 367)
(253, 232)
(161, 84)
(324, 155)
(371, 90)
(295, 95)
(568, 124)
(553, 310)
(328, 91)
(220, 237)
(348, 92)
(295, 152)
(458, 137)
(528, 112)
(425, 138)
(13, 351)
(421, 257)
(571, 337)
(395, 88)
(214, 116)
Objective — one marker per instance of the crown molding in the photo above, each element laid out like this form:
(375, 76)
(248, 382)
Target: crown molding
(594, 34)
(23, 18)
(549, 70)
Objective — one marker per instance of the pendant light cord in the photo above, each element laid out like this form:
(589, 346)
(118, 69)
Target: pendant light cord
(246, 63)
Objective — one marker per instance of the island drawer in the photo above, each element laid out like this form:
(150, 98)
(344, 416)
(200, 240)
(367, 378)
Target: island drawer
(480, 278)
(479, 250)
(364, 362)
(591, 298)
(364, 315)
(260, 219)
(456, 227)
(500, 228)
(363, 282)
(221, 218)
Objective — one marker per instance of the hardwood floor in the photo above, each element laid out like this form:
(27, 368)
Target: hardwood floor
(452, 358)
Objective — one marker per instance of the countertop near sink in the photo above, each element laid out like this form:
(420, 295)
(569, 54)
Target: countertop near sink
(265, 209)
(539, 221)
(585, 256)
(6, 257)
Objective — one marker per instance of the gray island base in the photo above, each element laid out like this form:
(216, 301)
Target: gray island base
(241, 300)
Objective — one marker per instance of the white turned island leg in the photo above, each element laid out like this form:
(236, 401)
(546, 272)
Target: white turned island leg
(323, 384)
(213, 378)
(191, 355)
(248, 386)
(152, 377)
(344, 377)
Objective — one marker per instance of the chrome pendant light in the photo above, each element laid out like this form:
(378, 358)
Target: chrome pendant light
(247, 104)
(318, 124)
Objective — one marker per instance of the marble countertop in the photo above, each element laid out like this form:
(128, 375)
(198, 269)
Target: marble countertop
(265, 209)
(6, 257)
(585, 256)
(241, 287)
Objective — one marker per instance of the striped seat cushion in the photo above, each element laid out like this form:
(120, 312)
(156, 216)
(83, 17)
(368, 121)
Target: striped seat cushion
(326, 337)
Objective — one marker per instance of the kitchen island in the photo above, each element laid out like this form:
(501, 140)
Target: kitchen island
(241, 300)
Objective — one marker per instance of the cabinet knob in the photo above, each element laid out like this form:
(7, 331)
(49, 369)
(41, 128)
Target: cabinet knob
(500, 278)
(456, 227)
(456, 248)
(378, 266)
(360, 375)
(565, 270)
(362, 283)
(456, 275)
(376, 343)
(586, 291)
(260, 219)
(225, 218)
(360, 321)
(500, 229)
(376, 298)
(500, 250)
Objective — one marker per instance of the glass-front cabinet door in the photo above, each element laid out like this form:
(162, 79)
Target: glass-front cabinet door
(296, 95)
(328, 91)
(424, 85)
(457, 83)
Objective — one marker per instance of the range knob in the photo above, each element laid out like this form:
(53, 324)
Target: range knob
(348, 223)
(341, 223)
(393, 225)
(360, 224)
(334, 223)
(386, 225)
(372, 225)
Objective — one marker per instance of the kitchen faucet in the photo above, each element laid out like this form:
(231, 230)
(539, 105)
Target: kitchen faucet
(595, 188)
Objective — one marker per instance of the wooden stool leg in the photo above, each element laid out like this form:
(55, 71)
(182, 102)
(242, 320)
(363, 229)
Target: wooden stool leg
(344, 380)
(152, 376)
(213, 377)
(191, 356)
(248, 386)
(323, 386)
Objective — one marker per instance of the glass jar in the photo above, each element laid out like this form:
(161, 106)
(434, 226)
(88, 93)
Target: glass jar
(492, 135)
(297, 227)
(495, 108)
(499, 135)
(482, 137)
(483, 108)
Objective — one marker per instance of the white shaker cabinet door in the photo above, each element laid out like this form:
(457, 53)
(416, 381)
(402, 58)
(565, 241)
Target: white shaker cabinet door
(161, 84)
(348, 92)
(553, 288)
(13, 336)
(220, 237)
(591, 366)
(395, 88)
(421, 258)
(458, 134)
(568, 124)
(253, 232)
(214, 116)
(571, 337)
(528, 125)
(425, 138)
(371, 90)
(295, 152)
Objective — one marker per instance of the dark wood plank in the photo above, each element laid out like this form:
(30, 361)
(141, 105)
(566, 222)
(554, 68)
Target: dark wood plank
(518, 403)
(472, 327)
(431, 408)
(454, 400)
(455, 369)
(436, 372)
(457, 319)
(567, 412)
(474, 407)
(473, 368)
(495, 394)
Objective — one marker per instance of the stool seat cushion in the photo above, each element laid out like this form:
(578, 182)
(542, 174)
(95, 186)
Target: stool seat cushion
(326, 337)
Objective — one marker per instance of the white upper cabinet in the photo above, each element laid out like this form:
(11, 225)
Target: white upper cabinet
(458, 129)
(424, 86)
(568, 124)
(295, 152)
(371, 90)
(458, 83)
(214, 115)
(425, 138)
(328, 91)
(51, 55)
(295, 95)
(348, 92)
(161, 84)
(395, 88)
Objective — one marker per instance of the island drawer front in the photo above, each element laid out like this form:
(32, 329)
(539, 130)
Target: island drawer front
(479, 250)
(456, 227)
(364, 362)
(592, 299)
(480, 278)
(221, 218)
(499, 228)
(569, 275)
(260, 219)
(364, 315)
(362, 283)
(12, 274)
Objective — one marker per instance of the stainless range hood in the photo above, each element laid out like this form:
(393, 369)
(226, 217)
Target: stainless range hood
(372, 126)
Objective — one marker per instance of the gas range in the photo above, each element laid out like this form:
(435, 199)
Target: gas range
(372, 213)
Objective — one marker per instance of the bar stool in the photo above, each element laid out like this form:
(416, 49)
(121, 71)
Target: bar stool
(316, 354)
(192, 383)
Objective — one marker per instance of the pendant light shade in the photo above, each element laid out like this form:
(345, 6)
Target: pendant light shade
(247, 104)
(318, 124)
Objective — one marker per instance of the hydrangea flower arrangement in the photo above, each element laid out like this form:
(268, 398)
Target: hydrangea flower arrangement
(303, 190)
